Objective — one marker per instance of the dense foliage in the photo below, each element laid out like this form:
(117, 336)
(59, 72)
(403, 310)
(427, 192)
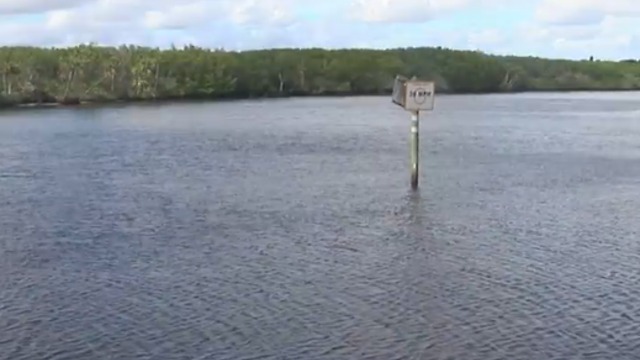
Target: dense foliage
(92, 73)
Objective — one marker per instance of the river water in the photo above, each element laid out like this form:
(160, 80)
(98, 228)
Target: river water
(285, 229)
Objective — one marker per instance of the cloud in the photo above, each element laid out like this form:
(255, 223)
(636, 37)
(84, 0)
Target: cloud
(181, 16)
(606, 29)
(556, 28)
(415, 11)
(22, 34)
(611, 38)
(37, 6)
(187, 14)
(271, 12)
(160, 22)
(567, 12)
(405, 10)
(550, 33)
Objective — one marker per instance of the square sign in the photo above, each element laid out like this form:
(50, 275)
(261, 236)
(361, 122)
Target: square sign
(420, 95)
(413, 95)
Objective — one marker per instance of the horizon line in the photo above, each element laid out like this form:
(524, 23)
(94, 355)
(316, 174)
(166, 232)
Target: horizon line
(309, 48)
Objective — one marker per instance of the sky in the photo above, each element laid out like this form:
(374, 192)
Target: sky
(574, 29)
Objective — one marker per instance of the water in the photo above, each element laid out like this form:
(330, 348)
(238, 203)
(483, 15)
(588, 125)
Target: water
(284, 229)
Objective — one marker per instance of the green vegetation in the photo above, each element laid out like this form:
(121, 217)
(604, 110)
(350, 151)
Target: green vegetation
(92, 73)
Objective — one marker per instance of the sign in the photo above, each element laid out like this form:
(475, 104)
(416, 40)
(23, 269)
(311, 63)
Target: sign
(420, 95)
(413, 95)
(399, 86)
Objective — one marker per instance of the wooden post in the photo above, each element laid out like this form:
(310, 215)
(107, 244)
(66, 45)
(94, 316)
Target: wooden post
(415, 149)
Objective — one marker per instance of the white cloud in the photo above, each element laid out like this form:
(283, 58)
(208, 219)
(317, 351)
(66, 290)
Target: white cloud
(606, 29)
(171, 14)
(240, 12)
(229, 24)
(37, 6)
(274, 12)
(181, 16)
(549, 33)
(414, 11)
(611, 38)
(585, 11)
(561, 28)
(404, 10)
(22, 34)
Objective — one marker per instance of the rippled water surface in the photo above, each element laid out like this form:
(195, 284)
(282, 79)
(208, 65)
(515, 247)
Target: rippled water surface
(284, 229)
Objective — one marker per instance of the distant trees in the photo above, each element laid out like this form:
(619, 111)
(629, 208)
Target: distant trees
(93, 73)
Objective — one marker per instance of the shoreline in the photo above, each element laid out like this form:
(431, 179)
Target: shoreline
(89, 75)
(160, 101)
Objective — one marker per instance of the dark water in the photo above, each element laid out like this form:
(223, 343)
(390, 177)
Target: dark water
(285, 230)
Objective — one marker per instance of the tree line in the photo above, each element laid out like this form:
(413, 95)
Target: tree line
(95, 73)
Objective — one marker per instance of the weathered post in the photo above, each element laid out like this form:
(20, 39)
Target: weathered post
(415, 149)
(414, 96)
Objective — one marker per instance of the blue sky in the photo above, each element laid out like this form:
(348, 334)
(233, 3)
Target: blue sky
(605, 29)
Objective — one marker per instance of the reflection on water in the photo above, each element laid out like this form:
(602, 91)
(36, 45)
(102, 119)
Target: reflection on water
(285, 230)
